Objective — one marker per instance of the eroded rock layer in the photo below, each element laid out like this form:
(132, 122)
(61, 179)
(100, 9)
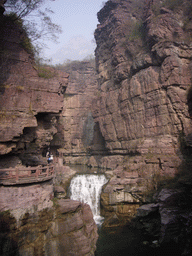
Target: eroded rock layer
(68, 229)
(143, 58)
(34, 222)
(29, 98)
(77, 120)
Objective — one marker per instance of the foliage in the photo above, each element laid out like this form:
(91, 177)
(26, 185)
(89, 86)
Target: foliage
(181, 6)
(137, 31)
(71, 65)
(134, 32)
(55, 202)
(173, 5)
(13, 16)
(25, 40)
(9, 245)
(45, 72)
(27, 45)
(35, 21)
(23, 7)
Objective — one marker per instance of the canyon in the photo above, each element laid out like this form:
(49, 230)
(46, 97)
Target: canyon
(130, 115)
(33, 221)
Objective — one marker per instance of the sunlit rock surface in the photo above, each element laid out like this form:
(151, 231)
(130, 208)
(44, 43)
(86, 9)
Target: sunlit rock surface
(29, 99)
(143, 60)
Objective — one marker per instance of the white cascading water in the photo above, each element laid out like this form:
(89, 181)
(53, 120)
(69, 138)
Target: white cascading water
(87, 189)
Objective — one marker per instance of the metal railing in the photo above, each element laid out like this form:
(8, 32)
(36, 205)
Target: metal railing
(22, 175)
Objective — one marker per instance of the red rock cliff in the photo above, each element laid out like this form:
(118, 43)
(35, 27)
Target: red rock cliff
(28, 102)
(77, 120)
(143, 59)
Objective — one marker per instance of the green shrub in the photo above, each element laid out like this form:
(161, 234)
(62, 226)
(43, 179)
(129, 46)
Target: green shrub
(45, 72)
(137, 31)
(15, 19)
(134, 31)
(25, 41)
(27, 45)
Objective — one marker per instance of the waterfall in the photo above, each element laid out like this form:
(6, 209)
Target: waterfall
(87, 189)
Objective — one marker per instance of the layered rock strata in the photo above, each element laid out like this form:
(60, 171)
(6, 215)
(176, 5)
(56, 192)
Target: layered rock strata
(32, 221)
(37, 219)
(143, 60)
(69, 230)
(77, 120)
(26, 198)
(144, 66)
(29, 102)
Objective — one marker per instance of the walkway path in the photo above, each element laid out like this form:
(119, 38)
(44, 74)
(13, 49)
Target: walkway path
(26, 175)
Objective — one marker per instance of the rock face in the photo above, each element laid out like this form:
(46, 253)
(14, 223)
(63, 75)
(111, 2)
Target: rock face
(136, 120)
(26, 198)
(79, 229)
(67, 230)
(144, 66)
(143, 60)
(34, 222)
(167, 222)
(77, 120)
(28, 102)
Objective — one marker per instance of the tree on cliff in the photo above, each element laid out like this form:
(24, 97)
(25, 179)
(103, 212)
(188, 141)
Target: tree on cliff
(36, 20)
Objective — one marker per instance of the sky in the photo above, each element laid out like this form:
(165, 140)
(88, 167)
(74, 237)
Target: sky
(78, 20)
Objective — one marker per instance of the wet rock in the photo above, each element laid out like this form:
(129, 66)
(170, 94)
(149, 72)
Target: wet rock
(112, 221)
